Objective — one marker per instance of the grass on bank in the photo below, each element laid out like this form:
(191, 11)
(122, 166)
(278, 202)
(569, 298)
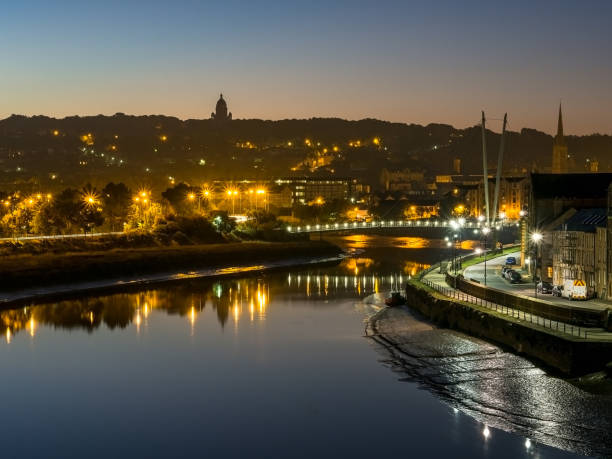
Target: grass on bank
(25, 271)
(490, 256)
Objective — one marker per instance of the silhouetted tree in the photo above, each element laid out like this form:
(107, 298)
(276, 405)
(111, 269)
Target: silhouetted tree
(116, 200)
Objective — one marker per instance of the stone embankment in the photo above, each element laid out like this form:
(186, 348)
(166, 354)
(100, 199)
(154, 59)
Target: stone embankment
(568, 354)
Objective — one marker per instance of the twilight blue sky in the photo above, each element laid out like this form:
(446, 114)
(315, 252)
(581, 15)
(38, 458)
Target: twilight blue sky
(407, 61)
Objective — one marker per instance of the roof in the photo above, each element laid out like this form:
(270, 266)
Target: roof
(586, 220)
(585, 186)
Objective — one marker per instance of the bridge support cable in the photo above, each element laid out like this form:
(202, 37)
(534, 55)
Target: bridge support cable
(485, 169)
(500, 161)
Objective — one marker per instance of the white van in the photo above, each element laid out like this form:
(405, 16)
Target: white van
(575, 289)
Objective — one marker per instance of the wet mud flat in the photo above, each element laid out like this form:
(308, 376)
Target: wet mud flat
(496, 387)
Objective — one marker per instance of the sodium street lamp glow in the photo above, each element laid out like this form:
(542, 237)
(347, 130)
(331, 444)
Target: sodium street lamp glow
(536, 238)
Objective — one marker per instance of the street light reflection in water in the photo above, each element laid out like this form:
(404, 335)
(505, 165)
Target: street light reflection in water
(231, 300)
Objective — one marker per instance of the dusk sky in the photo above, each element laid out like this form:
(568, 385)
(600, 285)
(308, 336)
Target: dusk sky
(413, 62)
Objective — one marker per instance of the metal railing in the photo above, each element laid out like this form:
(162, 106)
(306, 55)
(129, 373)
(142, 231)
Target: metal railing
(345, 226)
(561, 327)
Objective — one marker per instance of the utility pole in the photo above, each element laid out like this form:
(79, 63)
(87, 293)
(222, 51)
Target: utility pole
(500, 160)
(485, 168)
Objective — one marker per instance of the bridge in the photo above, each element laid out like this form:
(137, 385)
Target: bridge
(388, 224)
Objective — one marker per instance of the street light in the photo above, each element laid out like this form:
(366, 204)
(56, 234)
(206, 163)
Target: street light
(485, 232)
(536, 238)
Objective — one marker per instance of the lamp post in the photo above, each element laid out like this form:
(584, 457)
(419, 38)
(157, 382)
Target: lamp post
(485, 232)
(448, 244)
(536, 238)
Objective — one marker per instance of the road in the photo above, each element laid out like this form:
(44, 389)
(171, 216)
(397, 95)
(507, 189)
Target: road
(495, 280)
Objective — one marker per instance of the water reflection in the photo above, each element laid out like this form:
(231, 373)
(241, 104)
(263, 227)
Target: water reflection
(227, 299)
(232, 300)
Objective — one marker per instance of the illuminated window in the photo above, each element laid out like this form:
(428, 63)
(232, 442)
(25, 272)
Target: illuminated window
(549, 271)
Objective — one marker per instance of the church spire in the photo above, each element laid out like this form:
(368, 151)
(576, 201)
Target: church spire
(560, 124)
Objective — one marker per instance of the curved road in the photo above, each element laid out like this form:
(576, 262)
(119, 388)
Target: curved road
(495, 280)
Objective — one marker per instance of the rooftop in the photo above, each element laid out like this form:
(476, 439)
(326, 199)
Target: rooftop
(550, 186)
(586, 220)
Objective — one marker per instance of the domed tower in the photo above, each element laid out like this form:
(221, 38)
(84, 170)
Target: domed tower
(220, 113)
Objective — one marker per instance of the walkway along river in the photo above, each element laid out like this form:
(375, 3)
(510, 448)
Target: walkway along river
(276, 364)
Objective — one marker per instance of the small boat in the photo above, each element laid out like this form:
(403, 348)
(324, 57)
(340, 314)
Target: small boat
(396, 299)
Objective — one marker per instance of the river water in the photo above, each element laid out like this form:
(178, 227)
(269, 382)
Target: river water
(275, 365)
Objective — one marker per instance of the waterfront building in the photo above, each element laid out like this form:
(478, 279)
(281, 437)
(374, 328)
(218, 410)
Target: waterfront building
(574, 245)
(553, 200)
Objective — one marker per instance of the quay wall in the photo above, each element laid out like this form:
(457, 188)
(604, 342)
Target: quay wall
(569, 355)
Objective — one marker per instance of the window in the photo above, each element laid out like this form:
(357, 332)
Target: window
(549, 271)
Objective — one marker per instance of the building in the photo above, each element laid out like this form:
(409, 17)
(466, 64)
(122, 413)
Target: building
(469, 194)
(403, 180)
(574, 254)
(239, 196)
(221, 113)
(560, 156)
(553, 200)
(307, 190)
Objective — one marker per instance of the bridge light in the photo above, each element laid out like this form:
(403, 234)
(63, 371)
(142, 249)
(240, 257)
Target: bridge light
(299, 228)
(326, 226)
(289, 228)
(336, 225)
(318, 226)
(308, 227)
(345, 224)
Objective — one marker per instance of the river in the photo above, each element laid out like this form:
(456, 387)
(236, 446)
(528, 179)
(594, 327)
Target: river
(275, 365)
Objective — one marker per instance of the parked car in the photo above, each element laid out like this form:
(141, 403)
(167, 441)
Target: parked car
(510, 260)
(508, 273)
(544, 287)
(515, 277)
(504, 270)
(557, 290)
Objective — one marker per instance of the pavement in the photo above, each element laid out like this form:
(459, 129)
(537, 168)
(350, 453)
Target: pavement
(496, 281)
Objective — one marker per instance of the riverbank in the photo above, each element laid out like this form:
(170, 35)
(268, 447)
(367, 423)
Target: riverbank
(571, 355)
(23, 278)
